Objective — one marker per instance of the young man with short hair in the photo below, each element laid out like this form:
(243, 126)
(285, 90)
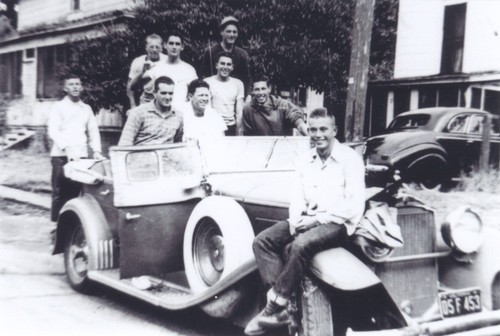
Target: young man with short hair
(145, 62)
(227, 94)
(229, 28)
(201, 121)
(72, 127)
(266, 114)
(174, 67)
(156, 122)
(325, 208)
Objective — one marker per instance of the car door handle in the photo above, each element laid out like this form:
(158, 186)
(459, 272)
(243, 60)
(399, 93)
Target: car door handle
(105, 192)
(129, 216)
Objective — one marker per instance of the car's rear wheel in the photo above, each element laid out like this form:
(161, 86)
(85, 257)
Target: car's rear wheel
(76, 259)
(218, 239)
(315, 309)
(429, 172)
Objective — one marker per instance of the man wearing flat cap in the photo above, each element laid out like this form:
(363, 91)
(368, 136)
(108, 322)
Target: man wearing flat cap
(229, 28)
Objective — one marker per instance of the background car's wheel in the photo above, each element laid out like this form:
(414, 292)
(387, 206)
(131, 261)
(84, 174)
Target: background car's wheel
(76, 259)
(218, 239)
(315, 309)
(495, 293)
(428, 172)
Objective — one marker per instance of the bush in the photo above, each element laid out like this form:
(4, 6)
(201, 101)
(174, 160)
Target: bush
(484, 181)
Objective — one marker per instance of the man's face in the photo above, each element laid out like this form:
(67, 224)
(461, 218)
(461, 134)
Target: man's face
(261, 92)
(200, 98)
(164, 95)
(224, 66)
(322, 131)
(153, 49)
(174, 46)
(73, 87)
(229, 34)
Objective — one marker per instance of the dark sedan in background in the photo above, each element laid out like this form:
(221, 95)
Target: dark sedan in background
(430, 146)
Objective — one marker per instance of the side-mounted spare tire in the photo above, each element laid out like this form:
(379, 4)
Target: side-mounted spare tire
(218, 239)
(315, 310)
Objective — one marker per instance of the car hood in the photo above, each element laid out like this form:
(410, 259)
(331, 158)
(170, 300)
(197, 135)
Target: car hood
(269, 188)
(382, 149)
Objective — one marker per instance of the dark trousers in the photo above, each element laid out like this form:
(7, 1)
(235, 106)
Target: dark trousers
(231, 130)
(283, 259)
(63, 189)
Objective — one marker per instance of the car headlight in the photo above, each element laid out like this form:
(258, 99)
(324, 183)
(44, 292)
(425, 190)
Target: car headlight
(462, 230)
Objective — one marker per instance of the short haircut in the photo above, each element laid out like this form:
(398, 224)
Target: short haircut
(223, 54)
(197, 83)
(71, 76)
(154, 37)
(175, 33)
(261, 78)
(321, 112)
(163, 80)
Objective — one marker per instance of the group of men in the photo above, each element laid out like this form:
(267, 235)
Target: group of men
(176, 106)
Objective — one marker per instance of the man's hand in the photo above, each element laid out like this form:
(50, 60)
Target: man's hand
(99, 156)
(303, 224)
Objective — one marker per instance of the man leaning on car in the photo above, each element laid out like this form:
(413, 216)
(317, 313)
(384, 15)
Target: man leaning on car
(156, 122)
(325, 208)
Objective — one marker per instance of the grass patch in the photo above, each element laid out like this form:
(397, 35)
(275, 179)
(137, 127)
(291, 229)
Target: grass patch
(483, 181)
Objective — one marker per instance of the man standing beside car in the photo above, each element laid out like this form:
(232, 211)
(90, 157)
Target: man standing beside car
(143, 63)
(155, 122)
(227, 94)
(271, 115)
(229, 28)
(325, 208)
(72, 127)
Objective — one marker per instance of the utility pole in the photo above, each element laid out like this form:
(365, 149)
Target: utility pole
(358, 70)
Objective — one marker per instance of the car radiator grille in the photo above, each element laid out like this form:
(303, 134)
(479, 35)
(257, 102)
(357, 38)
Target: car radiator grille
(413, 281)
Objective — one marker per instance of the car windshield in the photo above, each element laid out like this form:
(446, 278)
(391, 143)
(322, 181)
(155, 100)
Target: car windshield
(249, 154)
(409, 122)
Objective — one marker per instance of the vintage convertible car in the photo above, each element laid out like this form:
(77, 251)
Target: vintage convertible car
(173, 225)
(430, 146)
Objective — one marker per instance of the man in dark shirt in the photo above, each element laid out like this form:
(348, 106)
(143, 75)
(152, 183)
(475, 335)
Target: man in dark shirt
(229, 28)
(271, 115)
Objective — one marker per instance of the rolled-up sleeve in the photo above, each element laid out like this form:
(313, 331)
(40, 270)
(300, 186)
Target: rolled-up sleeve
(130, 130)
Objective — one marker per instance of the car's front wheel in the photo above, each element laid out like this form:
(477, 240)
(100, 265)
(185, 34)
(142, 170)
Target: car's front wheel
(218, 239)
(76, 259)
(315, 310)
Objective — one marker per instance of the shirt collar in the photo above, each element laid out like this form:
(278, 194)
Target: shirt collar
(151, 108)
(68, 100)
(268, 105)
(335, 154)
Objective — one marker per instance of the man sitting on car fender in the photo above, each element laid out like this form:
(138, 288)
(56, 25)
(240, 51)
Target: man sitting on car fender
(326, 206)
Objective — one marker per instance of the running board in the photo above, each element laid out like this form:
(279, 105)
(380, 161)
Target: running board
(166, 294)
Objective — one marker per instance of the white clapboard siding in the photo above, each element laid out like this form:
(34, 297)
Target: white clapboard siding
(420, 37)
(33, 13)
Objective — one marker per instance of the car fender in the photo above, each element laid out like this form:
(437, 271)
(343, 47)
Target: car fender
(340, 269)
(89, 214)
(479, 269)
(416, 152)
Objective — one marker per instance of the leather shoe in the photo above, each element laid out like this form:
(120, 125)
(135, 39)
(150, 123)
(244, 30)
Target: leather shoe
(272, 316)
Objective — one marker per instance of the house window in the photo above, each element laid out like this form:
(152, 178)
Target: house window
(453, 39)
(427, 97)
(75, 5)
(10, 72)
(476, 98)
(401, 100)
(448, 97)
(492, 101)
(51, 61)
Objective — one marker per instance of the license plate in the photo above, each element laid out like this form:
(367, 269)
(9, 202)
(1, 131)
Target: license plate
(460, 302)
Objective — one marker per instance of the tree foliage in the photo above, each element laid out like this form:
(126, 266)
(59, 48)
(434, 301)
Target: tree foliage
(294, 42)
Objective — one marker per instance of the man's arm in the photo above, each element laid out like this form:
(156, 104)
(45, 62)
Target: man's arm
(94, 135)
(239, 107)
(130, 130)
(179, 134)
(295, 117)
(247, 122)
(130, 94)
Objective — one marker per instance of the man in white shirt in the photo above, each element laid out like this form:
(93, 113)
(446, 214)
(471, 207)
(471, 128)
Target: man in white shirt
(174, 67)
(201, 122)
(227, 94)
(72, 127)
(325, 208)
(143, 63)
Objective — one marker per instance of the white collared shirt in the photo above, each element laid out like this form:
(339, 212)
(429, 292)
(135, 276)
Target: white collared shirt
(69, 125)
(333, 190)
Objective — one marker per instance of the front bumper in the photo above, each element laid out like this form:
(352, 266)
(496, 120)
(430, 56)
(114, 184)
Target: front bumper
(377, 175)
(479, 324)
